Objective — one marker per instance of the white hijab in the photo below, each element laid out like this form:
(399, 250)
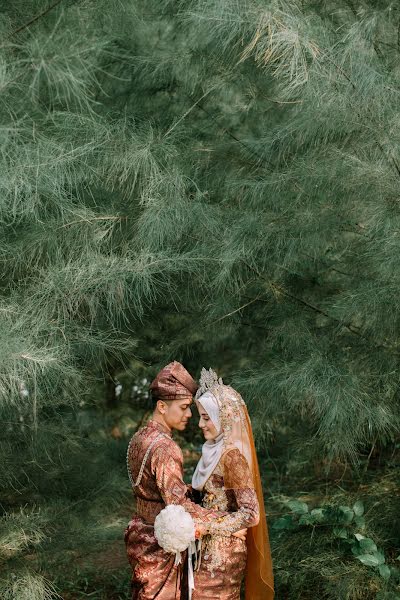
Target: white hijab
(212, 449)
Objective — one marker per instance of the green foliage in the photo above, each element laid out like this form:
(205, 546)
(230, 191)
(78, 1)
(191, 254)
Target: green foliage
(334, 533)
(283, 110)
(343, 522)
(28, 587)
(214, 182)
(77, 503)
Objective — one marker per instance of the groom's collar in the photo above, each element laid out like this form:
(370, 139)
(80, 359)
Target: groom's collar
(161, 428)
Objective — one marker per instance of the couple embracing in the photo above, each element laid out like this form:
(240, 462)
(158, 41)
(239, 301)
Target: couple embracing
(229, 515)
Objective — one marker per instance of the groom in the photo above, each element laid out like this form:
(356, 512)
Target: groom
(155, 466)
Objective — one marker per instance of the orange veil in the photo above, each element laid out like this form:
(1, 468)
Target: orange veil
(259, 583)
(237, 431)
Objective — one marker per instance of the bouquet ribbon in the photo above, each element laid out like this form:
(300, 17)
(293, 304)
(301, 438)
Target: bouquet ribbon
(191, 551)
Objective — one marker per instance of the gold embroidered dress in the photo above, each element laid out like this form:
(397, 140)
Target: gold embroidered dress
(228, 477)
(223, 558)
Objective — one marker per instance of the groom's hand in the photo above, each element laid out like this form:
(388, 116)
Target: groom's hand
(241, 534)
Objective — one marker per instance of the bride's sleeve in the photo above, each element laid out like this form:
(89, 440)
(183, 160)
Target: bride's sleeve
(167, 467)
(239, 482)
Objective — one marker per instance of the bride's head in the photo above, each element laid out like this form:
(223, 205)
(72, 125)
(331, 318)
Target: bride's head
(208, 428)
(209, 423)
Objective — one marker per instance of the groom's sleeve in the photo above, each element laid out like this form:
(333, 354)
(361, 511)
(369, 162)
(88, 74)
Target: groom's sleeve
(167, 467)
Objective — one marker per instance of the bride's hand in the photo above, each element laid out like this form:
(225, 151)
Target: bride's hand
(241, 534)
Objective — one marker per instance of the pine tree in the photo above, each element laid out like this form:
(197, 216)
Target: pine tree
(75, 280)
(289, 114)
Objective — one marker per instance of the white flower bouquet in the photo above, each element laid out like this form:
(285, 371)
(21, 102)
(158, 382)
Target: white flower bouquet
(174, 530)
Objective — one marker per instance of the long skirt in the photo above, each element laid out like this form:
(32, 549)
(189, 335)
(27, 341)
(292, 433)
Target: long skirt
(222, 569)
(154, 574)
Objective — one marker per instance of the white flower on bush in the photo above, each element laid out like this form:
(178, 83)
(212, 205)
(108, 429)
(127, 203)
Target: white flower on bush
(174, 530)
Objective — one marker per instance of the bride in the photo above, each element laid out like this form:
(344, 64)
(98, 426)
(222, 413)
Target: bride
(228, 478)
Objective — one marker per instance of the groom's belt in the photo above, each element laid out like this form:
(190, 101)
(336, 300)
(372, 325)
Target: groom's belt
(148, 509)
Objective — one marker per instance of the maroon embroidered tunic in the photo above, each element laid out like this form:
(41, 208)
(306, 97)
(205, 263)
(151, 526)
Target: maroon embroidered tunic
(154, 575)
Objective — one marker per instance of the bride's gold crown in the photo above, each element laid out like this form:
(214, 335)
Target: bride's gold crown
(208, 380)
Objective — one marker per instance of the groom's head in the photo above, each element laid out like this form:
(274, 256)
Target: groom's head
(172, 394)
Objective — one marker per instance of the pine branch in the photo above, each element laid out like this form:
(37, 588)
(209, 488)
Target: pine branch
(398, 36)
(352, 7)
(251, 301)
(318, 310)
(92, 219)
(256, 326)
(391, 160)
(287, 102)
(188, 111)
(233, 136)
(342, 71)
(352, 328)
(36, 18)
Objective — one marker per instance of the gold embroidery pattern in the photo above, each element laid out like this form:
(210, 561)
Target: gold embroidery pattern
(161, 483)
(224, 556)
